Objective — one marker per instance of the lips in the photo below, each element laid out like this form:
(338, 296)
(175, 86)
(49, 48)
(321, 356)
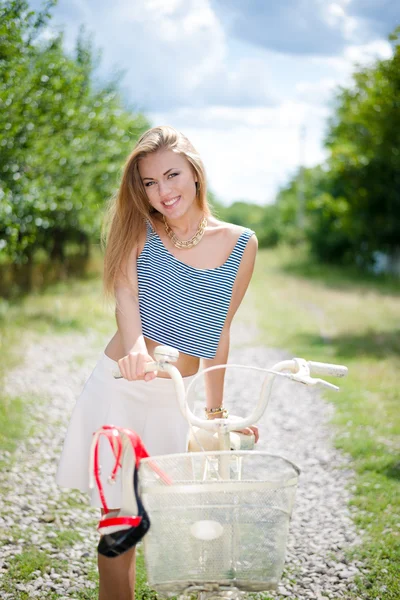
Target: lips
(170, 203)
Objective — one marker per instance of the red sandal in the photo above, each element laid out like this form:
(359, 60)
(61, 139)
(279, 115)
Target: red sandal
(120, 530)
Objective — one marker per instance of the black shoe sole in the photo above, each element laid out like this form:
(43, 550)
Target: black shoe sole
(115, 544)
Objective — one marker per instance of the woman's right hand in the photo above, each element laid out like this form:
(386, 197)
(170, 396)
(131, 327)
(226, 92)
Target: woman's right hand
(132, 366)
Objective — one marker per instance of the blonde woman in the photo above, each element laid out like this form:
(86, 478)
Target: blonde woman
(178, 276)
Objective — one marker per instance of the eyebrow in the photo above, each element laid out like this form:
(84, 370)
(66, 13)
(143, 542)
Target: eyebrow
(166, 173)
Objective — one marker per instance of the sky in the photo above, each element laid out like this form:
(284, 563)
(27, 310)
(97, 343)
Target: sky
(250, 82)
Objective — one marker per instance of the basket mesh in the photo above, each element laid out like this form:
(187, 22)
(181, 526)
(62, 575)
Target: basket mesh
(249, 515)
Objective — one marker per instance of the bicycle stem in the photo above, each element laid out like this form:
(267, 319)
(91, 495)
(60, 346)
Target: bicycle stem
(224, 426)
(296, 369)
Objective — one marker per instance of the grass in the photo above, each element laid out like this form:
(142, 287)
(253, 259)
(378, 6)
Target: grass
(72, 306)
(63, 309)
(12, 424)
(32, 563)
(344, 317)
(22, 567)
(312, 311)
(29, 561)
(143, 592)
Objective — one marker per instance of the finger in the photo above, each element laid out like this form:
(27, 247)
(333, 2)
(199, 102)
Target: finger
(255, 431)
(150, 375)
(140, 362)
(121, 367)
(246, 431)
(131, 366)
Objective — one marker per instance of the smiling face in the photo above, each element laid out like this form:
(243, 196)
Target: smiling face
(169, 181)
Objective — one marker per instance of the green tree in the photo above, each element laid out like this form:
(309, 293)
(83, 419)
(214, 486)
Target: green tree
(296, 203)
(63, 139)
(262, 219)
(352, 202)
(360, 211)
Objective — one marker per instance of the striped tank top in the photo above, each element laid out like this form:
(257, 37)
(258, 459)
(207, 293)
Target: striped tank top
(183, 306)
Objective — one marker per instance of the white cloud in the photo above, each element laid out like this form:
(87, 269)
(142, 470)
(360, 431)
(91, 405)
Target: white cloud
(173, 53)
(321, 91)
(302, 27)
(317, 92)
(336, 16)
(336, 11)
(251, 164)
(242, 105)
(249, 153)
(288, 114)
(365, 53)
(313, 27)
(353, 55)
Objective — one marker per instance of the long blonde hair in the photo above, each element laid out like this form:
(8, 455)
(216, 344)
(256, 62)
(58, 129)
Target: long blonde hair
(128, 210)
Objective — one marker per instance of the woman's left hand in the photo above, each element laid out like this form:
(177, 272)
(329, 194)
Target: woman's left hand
(252, 429)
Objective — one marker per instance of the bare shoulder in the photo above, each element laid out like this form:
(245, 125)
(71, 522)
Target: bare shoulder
(229, 233)
(245, 270)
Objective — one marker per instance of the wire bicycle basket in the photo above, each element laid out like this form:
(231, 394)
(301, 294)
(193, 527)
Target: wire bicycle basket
(213, 533)
(220, 519)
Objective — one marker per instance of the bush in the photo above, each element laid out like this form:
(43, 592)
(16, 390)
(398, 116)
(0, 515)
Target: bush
(62, 139)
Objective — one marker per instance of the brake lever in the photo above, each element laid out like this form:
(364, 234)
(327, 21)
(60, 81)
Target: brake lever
(311, 381)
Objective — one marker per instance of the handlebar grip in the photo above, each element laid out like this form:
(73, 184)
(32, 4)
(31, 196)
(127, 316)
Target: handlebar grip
(317, 368)
(149, 367)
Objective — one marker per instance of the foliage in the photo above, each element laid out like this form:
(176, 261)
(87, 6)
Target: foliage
(364, 142)
(352, 202)
(348, 208)
(261, 219)
(341, 315)
(62, 138)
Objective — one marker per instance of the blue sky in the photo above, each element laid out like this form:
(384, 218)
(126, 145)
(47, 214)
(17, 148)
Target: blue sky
(240, 78)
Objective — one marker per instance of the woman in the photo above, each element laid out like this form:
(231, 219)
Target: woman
(178, 276)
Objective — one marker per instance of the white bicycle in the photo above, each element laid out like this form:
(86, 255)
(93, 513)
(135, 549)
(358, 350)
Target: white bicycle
(220, 513)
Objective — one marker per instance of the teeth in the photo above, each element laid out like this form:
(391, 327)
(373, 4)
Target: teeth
(171, 201)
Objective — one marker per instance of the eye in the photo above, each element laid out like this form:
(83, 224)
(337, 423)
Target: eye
(173, 175)
(149, 183)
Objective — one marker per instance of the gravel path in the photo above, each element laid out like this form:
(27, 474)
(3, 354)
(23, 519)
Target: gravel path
(35, 512)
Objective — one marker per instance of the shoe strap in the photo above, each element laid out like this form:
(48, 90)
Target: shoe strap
(141, 452)
(112, 433)
(116, 446)
(115, 521)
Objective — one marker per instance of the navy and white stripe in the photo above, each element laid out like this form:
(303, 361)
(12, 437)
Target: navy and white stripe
(180, 305)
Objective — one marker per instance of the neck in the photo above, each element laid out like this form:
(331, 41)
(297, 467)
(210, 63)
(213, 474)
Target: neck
(186, 225)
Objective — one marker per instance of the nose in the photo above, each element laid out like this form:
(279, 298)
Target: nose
(164, 188)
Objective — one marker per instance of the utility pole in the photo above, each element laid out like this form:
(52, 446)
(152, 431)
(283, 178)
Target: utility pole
(300, 180)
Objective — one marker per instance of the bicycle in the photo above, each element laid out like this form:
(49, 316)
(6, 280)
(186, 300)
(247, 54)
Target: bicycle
(220, 517)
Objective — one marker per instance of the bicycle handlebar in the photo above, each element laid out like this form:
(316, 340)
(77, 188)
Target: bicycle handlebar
(296, 369)
(318, 368)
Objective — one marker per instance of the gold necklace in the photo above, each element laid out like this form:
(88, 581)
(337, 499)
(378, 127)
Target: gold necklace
(186, 244)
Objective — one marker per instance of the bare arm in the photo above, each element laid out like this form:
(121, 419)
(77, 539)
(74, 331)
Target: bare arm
(214, 381)
(130, 327)
(128, 321)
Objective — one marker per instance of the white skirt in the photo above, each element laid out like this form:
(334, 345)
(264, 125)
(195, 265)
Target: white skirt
(148, 408)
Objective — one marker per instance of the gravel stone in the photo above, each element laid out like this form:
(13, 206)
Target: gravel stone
(296, 425)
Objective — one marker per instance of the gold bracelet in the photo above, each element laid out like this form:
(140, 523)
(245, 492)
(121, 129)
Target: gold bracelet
(210, 411)
(219, 413)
